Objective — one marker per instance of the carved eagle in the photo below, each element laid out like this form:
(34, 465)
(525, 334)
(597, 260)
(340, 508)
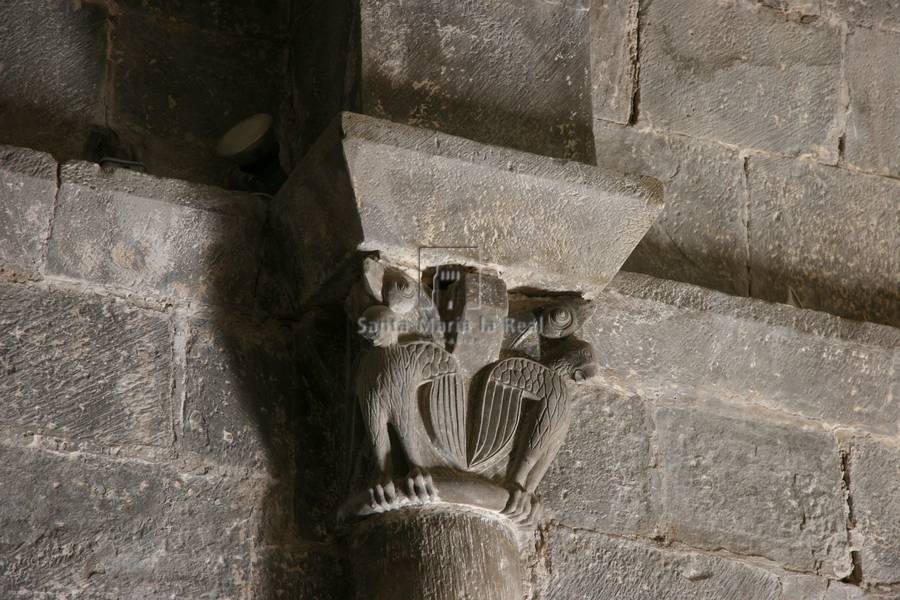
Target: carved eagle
(479, 438)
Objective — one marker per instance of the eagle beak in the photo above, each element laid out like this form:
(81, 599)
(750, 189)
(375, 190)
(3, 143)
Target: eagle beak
(584, 373)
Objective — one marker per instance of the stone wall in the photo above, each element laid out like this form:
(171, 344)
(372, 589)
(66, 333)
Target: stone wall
(735, 449)
(772, 124)
(155, 425)
(169, 77)
(163, 435)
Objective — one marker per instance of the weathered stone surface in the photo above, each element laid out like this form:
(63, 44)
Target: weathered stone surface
(161, 95)
(873, 127)
(753, 487)
(509, 73)
(161, 237)
(614, 29)
(803, 587)
(240, 386)
(300, 572)
(328, 419)
(800, 11)
(829, 235)
(92, 371)
(435, 553)
(601, 478)
(875, 496)
(263, 18)
(701, 234)
(771, 83)
(883, 13)
(418, 195)
(841, 591)
(27, 195)
(52, 56)
(807, 322)
(74, 526)
(666, 339)
(808, 587)
(590, 566)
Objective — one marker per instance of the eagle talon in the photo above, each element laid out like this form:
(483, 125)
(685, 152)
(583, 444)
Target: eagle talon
(382, 496)
(420, 485)
(522, 506)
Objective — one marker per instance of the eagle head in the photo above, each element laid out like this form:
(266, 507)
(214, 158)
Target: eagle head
(572, 358)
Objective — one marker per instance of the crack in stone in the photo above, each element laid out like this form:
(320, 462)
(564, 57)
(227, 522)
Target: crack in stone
(856, 576)
(634, 109)
(179, 337)
(745, 182)
(45, 251)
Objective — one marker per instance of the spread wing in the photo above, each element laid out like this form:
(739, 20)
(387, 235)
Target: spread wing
(442, 401)
(496, 419)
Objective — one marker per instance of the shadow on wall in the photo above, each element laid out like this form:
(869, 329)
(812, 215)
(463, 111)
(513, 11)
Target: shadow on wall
(274, 385)
(289, 386)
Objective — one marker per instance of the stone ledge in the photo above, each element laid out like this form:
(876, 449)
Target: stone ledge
(173, 240)
(775, 314)
(665, 339)
(27, 195)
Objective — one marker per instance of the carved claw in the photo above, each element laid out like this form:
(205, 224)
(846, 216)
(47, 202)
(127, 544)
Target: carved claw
(522, 506)
(383, 496)
(420, 485)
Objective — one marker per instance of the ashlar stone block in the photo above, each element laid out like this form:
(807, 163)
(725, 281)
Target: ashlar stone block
(167, 239)
(52, 64)
(591, 566)
(601, 478)
(701, 234)
(884, 14)
(27, 195)
(513, 73)
(300, 572)
(240, 386)
(118, 529)
(830, 236)
(875, 494)
(771, 83)
(92, 371)
(740, 483)
(873, 126)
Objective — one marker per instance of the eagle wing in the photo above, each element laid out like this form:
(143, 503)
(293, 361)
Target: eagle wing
(442, 401)
(496, 418)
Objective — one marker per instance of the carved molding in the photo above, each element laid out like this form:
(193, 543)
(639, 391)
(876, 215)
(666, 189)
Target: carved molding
(462, 402)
